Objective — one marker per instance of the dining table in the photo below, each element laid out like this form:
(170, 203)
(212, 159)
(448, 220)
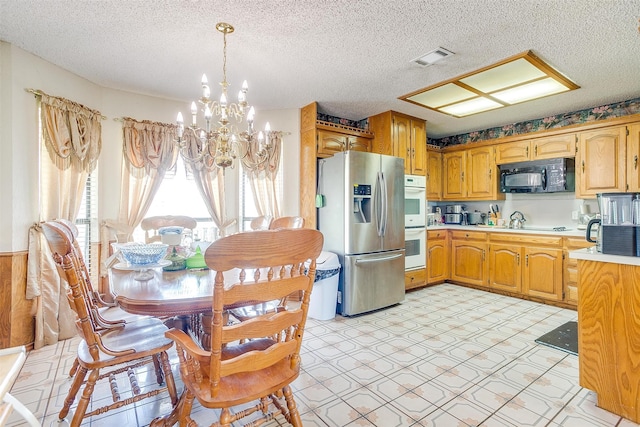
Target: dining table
(183, 298)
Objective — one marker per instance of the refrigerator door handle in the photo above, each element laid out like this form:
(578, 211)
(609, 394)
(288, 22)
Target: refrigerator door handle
(385, 204)
(370, 261)
(379, 205)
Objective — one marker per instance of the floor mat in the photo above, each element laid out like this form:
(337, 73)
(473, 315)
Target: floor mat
(563, 338)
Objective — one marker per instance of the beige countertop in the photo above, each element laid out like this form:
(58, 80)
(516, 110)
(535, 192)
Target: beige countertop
(590, 254)
(571, 230)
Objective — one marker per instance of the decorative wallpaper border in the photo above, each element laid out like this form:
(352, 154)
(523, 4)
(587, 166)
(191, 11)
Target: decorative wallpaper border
(360, 124)
(619, 109)
(593, 114)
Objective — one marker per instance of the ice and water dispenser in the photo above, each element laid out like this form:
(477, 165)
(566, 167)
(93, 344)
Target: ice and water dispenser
(361, 203)
(619, 224)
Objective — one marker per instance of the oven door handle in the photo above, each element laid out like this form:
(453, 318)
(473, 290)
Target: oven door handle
(417, 230)
(414, 189)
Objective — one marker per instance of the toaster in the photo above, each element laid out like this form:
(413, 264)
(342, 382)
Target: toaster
(453, 218)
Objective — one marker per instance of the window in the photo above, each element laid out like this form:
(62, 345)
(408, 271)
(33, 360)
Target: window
(248, 210)
(178, 195)
(87, 223)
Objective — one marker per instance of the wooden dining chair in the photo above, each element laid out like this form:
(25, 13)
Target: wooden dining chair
(261, 223)
(105, 352)
(151, 225)
(287, 222)
(268, 265)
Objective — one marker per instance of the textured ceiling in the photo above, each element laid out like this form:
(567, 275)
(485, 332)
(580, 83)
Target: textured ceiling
(351, 56)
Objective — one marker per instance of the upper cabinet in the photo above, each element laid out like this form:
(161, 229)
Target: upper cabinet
(403, 136)
(548, 147)
(471, 174)
(322, 139)
(434, 175)
(601, 161)
(633, 152)
(330, 142)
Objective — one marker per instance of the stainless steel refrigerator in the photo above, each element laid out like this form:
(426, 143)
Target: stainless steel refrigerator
(362, 220)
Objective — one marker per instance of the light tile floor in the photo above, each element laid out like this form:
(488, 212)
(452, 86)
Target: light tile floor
(447, 356)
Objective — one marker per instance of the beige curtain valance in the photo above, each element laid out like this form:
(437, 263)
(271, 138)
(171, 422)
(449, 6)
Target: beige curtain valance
(71, 132)
(148, 145)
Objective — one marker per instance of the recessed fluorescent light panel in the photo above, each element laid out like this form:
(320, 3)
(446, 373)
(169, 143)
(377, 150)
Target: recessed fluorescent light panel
(432, 57)
(521, 78)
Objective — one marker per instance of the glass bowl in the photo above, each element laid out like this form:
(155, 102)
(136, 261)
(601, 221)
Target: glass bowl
(143, 254)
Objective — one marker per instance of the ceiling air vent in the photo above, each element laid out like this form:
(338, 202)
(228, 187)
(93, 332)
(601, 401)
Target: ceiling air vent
(432, 57)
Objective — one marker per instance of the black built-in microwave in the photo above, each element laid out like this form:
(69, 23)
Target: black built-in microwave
(538, 176)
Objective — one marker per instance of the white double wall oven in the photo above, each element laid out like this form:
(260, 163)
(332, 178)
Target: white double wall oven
(415, 232)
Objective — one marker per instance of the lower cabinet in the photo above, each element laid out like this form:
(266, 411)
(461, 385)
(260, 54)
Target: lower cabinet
(505, 267)
(414, 278)
(570, 274)
(522, 264)
(468, 257)
(437, 256)
(543, 273)
(527, 264)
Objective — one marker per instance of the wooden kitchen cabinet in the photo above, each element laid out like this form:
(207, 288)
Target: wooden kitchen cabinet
(403, 136)
(482, 174)
(471, 174)
(543, 273)
(608, 326)
(633, 157)
(601, 161)
(415, 278)
(468, 257)
(453, 170)
(434, 175)
(526, 264)
(548, 147)
(322, 139)
(437, 256)
(330, 142)
(570, 268)
(505, 267)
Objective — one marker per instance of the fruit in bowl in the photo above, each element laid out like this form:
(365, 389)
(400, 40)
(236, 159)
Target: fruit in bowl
(142, 254)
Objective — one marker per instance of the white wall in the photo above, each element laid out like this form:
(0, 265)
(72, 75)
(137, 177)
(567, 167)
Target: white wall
(540, 210)
(19, 145)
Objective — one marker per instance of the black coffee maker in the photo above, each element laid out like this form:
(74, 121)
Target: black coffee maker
(619, 224)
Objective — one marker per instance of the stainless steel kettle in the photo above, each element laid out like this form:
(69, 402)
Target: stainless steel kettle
(517, 220)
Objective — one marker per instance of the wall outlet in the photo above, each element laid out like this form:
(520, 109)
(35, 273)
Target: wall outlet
(574, 215)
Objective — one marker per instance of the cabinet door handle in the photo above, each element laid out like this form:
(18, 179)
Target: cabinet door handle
(483, 255)
(489, 173)
(635, 161)
(526, 260)
(518, 258)
(583, 166)
(462, 176)
(535, 150)
(527, 152)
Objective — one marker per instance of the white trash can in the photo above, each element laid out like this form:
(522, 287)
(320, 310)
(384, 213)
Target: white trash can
(324, 296)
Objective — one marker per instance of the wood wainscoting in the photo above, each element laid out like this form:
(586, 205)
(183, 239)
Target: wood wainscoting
(17, 324)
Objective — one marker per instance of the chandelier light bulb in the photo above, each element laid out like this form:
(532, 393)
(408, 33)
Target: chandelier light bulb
(180, 122)
(194, 113)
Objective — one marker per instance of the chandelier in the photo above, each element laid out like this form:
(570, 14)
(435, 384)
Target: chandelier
(220, 142)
